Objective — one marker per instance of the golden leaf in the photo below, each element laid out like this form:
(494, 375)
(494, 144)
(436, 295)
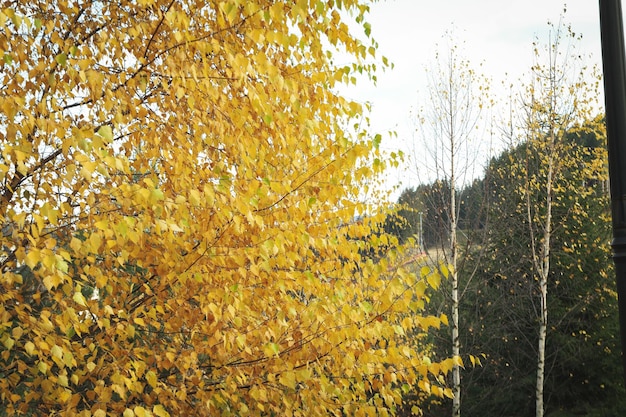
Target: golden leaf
(288, 379)
(160, 411)
(151, 378)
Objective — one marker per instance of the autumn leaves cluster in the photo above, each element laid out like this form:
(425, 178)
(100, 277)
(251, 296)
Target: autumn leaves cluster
(184, 229)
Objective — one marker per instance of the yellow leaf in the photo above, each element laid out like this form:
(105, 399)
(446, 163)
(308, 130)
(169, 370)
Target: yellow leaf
(43, 367)
(49, 260)
(434, 280)
(79, 298)
(62, 380)
(160, 411)
(8, 343)
(444, 270)
(420, 288)
(288, 379)
(75, 244)
(33, 258)
(56, 351)
(61, 59)
(52, 281)
(61, 265)
(130, 331)
(64, 395)
(141, 412)
(151, 378)
(156, 195)
(194, 197)
(458, 361)
(95, 241)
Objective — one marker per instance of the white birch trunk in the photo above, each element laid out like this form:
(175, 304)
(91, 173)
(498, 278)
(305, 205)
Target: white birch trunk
(542, 266)
(454, 278)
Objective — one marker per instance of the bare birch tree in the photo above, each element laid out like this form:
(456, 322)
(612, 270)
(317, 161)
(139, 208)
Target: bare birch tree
(450, 142)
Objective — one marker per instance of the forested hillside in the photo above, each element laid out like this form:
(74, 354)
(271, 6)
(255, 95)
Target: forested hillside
(499, 308)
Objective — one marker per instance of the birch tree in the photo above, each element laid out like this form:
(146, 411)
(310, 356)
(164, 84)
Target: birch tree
(178, 192)
(450, 130)
(557, 98)
(501, 315)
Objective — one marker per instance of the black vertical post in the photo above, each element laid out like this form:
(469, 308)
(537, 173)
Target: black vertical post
(614, 64)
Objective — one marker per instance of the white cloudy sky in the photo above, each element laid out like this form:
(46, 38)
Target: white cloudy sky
(497, 33)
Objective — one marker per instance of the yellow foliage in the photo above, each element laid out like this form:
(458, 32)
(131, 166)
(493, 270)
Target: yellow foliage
(178, 195)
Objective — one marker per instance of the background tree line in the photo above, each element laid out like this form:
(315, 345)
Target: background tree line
(498, 310)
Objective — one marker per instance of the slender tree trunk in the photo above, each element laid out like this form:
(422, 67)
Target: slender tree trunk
(456, 342)
(542, 266)
(541, 350)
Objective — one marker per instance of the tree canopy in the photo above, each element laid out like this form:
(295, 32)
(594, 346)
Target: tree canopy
(178, 192)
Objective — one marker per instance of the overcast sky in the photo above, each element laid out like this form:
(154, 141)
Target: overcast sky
(496, 33)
